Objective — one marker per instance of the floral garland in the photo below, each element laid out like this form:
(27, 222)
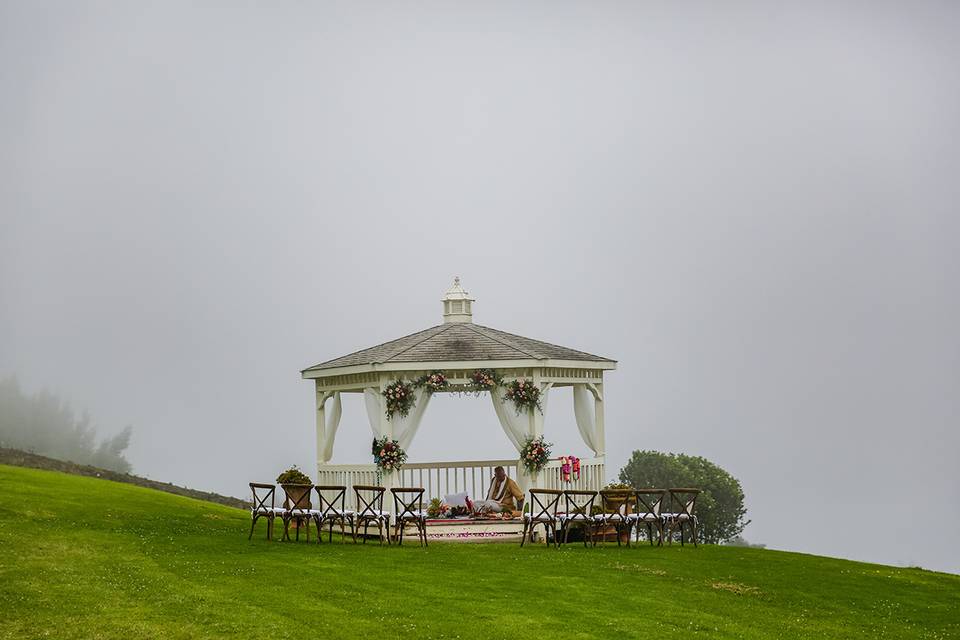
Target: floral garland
(399, 396)
(485, 380)
(525, 395)
(434, 381)
(535, 454)
(388, 455)
(569, 468)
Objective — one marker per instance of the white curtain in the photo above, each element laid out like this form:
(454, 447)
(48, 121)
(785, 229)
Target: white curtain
(404, 428)
(330, 428)
(583, 409)
(371, 398)
(517, 427)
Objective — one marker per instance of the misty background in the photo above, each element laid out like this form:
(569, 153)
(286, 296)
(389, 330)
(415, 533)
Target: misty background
(751, 207)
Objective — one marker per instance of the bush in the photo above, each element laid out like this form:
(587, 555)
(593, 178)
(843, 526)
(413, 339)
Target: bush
(720, 507)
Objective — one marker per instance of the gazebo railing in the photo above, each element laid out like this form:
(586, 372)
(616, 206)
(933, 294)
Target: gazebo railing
(444, 478)
(593, 476)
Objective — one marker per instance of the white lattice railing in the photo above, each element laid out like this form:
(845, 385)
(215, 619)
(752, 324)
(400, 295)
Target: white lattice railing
(442, 478)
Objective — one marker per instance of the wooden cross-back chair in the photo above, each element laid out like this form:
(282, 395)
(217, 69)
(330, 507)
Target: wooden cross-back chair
(682, 504)
(296, 508)
(370, 509)
(615, 512)
(408, 507)
(264, 506)
(332, 509)
(577, 509)
(647, 511)
(543, 510)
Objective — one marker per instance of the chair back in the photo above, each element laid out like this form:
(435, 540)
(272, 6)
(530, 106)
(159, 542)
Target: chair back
(332, 499)
(407, 501)
(683, 500)
(369, 499)
(579, 503)
(544, 504)
(297, 496)
(649, 503)
(616, 501)
(261, 494)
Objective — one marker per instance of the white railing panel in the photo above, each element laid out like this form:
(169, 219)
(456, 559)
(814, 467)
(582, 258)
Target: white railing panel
(443, 478)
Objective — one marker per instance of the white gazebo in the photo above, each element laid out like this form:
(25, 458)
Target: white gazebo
(458, 348)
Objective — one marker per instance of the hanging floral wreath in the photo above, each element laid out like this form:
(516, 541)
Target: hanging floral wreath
(434, 381)
(388, 455)
(524, 394)
(399, 397)
(485, 380)
(535, 454)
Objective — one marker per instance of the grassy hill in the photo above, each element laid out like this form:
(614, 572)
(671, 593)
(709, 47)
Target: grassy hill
(88, 558)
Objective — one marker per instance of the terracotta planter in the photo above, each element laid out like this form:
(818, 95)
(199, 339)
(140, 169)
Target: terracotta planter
(293, 493)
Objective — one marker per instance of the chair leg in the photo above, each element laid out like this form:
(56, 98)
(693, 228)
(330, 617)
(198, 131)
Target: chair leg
(252, 525)
(523, 538)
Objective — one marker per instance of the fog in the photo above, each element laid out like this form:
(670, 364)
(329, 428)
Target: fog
(751, 207)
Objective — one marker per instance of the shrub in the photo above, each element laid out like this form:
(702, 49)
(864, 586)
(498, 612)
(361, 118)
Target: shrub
(720, 507)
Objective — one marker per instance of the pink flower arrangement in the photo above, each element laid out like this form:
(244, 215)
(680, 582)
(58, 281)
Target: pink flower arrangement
(524, 394)
(399, 397)
(388, 455)
(535, 454)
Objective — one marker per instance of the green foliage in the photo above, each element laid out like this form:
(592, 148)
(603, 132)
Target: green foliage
(87, 558)
(435, 508)
(719, 508)
(293, 475)
(46, 425)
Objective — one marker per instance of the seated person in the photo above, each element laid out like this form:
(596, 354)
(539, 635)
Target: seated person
(503, 491)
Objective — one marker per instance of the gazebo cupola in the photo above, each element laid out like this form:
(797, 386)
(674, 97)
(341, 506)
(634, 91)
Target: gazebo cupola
(457, 304)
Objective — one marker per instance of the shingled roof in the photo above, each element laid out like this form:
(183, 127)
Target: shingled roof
(458, 342)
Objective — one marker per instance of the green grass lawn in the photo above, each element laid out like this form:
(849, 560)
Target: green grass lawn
(88, 558)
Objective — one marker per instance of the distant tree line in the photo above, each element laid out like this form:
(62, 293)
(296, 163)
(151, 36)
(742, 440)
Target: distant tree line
(719, 508)
(44, 424)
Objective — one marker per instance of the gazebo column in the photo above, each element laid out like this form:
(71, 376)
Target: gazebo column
(386, 429)
(598, 413)
(321, 422)
(535, 430)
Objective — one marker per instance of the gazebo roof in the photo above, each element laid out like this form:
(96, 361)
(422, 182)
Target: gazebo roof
(463, 341)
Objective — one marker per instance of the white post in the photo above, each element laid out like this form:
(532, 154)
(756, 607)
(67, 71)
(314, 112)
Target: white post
(386, 429)
(321, 423)
(601, 434)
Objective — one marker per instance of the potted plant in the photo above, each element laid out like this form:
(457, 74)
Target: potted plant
(295, 483)
(616, 503)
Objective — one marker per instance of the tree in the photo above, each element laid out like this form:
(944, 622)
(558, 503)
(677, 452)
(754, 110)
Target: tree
(46, 425)
(719, 508)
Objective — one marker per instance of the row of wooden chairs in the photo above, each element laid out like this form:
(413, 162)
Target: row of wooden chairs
(622, 509)
(331, 503)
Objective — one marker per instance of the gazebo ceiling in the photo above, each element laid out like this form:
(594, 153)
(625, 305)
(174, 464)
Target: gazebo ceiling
(462, 341)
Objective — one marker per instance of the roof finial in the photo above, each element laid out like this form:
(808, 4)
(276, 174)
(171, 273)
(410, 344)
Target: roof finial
(457, 304)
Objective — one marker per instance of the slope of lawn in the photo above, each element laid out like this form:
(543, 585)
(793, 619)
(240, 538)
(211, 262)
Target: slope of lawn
(88, 558)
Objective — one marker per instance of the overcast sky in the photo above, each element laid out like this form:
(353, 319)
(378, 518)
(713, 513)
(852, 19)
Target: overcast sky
(753, 208)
